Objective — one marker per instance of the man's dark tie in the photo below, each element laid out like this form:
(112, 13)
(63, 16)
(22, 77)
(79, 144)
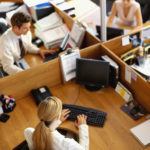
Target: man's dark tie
(22, 50)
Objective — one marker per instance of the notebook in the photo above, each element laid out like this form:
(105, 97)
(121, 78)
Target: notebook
(142, 132)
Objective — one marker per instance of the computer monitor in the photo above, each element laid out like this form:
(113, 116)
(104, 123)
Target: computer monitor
(94, 74)
(111, 32)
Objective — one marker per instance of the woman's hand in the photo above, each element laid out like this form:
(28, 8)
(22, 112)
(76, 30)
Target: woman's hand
(64, 114)
(81, 119)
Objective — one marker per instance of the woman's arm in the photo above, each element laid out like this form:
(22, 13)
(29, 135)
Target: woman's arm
(112, 15)
(139, 20)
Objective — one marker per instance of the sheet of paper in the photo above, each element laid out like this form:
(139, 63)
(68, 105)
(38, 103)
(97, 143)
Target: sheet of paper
(125, 41)
(31, 3)
(128, 74)
(68, 63)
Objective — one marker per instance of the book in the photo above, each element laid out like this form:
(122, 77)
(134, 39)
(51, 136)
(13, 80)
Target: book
(51, 21)
(142, 132)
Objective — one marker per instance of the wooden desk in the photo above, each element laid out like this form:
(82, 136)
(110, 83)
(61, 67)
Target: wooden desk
(114, 135)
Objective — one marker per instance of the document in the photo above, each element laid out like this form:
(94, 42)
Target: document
(142, 132)
(68, 64)
(124, 92)
(76, 35)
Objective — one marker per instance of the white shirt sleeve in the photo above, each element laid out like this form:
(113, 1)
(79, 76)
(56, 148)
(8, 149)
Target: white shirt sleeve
(8, 61)
(84, 136)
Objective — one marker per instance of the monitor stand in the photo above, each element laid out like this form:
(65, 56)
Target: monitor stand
(92, 87)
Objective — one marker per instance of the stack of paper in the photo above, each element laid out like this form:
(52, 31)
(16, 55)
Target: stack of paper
(52, 37)
(51, 21)
(56, 2)
(142, 132)
(66, 6)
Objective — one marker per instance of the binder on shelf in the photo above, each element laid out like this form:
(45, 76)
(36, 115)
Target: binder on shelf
(124, 92)
(68, 64)
(114, 71)
(142, 132)
(76, 35)
(41, 10)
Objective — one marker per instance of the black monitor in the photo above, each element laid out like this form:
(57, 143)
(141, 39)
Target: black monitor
(93, 73)
(111, 32)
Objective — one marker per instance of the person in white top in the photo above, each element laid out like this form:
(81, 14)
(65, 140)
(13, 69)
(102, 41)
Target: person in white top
(128, 13)
(9, 44)
(46, 137)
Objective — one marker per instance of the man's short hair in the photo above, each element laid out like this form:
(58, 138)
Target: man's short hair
(19, 18)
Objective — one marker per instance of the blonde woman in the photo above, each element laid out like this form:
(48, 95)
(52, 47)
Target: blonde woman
(128, 13)
(46, 137)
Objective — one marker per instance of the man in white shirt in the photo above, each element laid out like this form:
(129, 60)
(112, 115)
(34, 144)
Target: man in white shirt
(10, 48)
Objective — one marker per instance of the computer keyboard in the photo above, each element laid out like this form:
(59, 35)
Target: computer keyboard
(49, 57)
(94, 117)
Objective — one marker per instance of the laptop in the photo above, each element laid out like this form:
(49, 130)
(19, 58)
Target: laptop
(63, 46)
(111, 32)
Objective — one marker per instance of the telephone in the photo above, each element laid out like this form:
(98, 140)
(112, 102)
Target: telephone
(40, 94)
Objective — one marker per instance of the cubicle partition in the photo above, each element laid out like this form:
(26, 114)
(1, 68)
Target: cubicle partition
(89, 39)
(138, 85)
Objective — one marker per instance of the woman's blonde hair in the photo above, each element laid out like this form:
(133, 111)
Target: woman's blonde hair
(48, 110)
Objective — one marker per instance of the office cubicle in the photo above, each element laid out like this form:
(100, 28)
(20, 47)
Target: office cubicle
(89, 39)
(137, 84)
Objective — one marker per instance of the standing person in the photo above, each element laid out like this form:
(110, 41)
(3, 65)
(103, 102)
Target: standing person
(16, 42)
(46, 137)
(128, 13)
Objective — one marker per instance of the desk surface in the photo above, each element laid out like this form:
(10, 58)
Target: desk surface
(114, 135)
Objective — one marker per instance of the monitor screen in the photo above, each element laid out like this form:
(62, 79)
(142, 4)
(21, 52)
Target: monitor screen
(111, 32)
(92, 72)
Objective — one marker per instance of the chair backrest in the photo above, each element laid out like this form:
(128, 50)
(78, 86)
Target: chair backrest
(22, 146)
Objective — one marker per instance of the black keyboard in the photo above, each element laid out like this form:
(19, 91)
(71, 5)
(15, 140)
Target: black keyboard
(49, 57)
(94, 117)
